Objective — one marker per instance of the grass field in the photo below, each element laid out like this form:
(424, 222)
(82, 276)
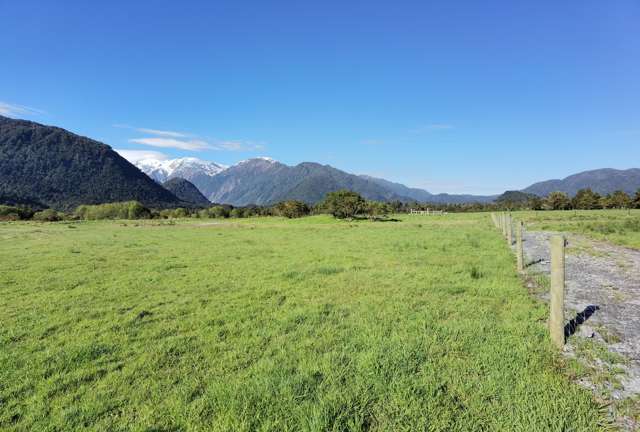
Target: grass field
(616, 226)
(268, 324)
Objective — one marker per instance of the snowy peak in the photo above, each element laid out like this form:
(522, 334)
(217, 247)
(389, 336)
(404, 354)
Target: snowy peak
(258, 160)
(187, 168)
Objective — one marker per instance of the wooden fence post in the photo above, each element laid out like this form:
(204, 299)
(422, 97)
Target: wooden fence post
(504, 224)
(519, 248)
(556, 309)
(509, 230)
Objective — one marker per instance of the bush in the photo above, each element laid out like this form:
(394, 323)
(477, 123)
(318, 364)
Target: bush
(344, 204)
(176, 213)
(377, 210)
(117, 210)
(237, 213)
(292, 209)
(11, 213)
(48, 215)
(214, 212)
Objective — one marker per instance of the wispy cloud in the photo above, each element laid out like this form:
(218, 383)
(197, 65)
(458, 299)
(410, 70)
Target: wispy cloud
(191, 145)
(156, 132)
(187, 141)
(136, 155)
(13, 110)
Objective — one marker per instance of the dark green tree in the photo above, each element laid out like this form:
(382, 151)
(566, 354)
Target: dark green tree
(620, 199)
(636, 200)
(558, 201)
(344, 204)
(292, 209)
(377, 210)
(586, 199)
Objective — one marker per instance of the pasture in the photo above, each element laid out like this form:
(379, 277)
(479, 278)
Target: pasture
(273, 324)
(620, 227)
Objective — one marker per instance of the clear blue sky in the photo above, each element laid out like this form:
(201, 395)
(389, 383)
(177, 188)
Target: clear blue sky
(452, 96)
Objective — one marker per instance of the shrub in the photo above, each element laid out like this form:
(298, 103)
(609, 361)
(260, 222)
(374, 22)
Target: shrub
(48, 215)
(237, 213)
(180, 213)
(377, 210)
(117, 210)
(292, 209)
(11, 213)
(214, 212)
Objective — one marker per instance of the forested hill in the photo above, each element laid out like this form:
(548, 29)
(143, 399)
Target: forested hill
(186, 191)
(51, 167)
(602, 181)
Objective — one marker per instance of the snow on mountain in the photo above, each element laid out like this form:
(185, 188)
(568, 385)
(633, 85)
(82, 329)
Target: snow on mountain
(187, 168)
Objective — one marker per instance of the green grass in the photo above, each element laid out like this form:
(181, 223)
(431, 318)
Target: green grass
(621, 227)
(268, 324)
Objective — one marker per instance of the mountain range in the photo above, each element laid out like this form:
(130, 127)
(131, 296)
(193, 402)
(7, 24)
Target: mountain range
(45, 166)
(264, 181)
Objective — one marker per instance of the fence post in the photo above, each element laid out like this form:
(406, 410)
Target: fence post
(519, 248)
(556, 312)
(509, 230)
(504, 224)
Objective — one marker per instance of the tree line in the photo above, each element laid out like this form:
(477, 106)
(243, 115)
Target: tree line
(342, 204)
(585, 199)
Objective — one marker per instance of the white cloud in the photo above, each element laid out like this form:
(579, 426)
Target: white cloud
(191, 145)
(186, 141)
(12, 110)
(156, 132)
(136, 155)
(163, 133)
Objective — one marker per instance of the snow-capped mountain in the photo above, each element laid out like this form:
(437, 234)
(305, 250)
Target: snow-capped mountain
(188, 168)
(264, 181)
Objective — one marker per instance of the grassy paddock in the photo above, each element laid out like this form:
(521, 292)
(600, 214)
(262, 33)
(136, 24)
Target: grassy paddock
(617, 226)
(269, 324)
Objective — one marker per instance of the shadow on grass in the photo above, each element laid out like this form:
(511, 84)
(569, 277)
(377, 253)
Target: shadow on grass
(376, 219)
(572, 326)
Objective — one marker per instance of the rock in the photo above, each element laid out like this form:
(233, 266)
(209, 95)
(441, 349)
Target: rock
(586, 332)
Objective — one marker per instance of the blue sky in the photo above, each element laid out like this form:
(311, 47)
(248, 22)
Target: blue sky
(451, 96)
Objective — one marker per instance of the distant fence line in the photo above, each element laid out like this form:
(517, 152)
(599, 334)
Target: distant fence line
(504, 223)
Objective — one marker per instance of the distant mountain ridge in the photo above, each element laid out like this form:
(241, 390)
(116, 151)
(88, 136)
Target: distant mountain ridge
(51, 167)
(45, 166)
(264, 181)
(602, 181)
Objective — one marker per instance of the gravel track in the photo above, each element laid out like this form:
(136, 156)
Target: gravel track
(602, 282)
